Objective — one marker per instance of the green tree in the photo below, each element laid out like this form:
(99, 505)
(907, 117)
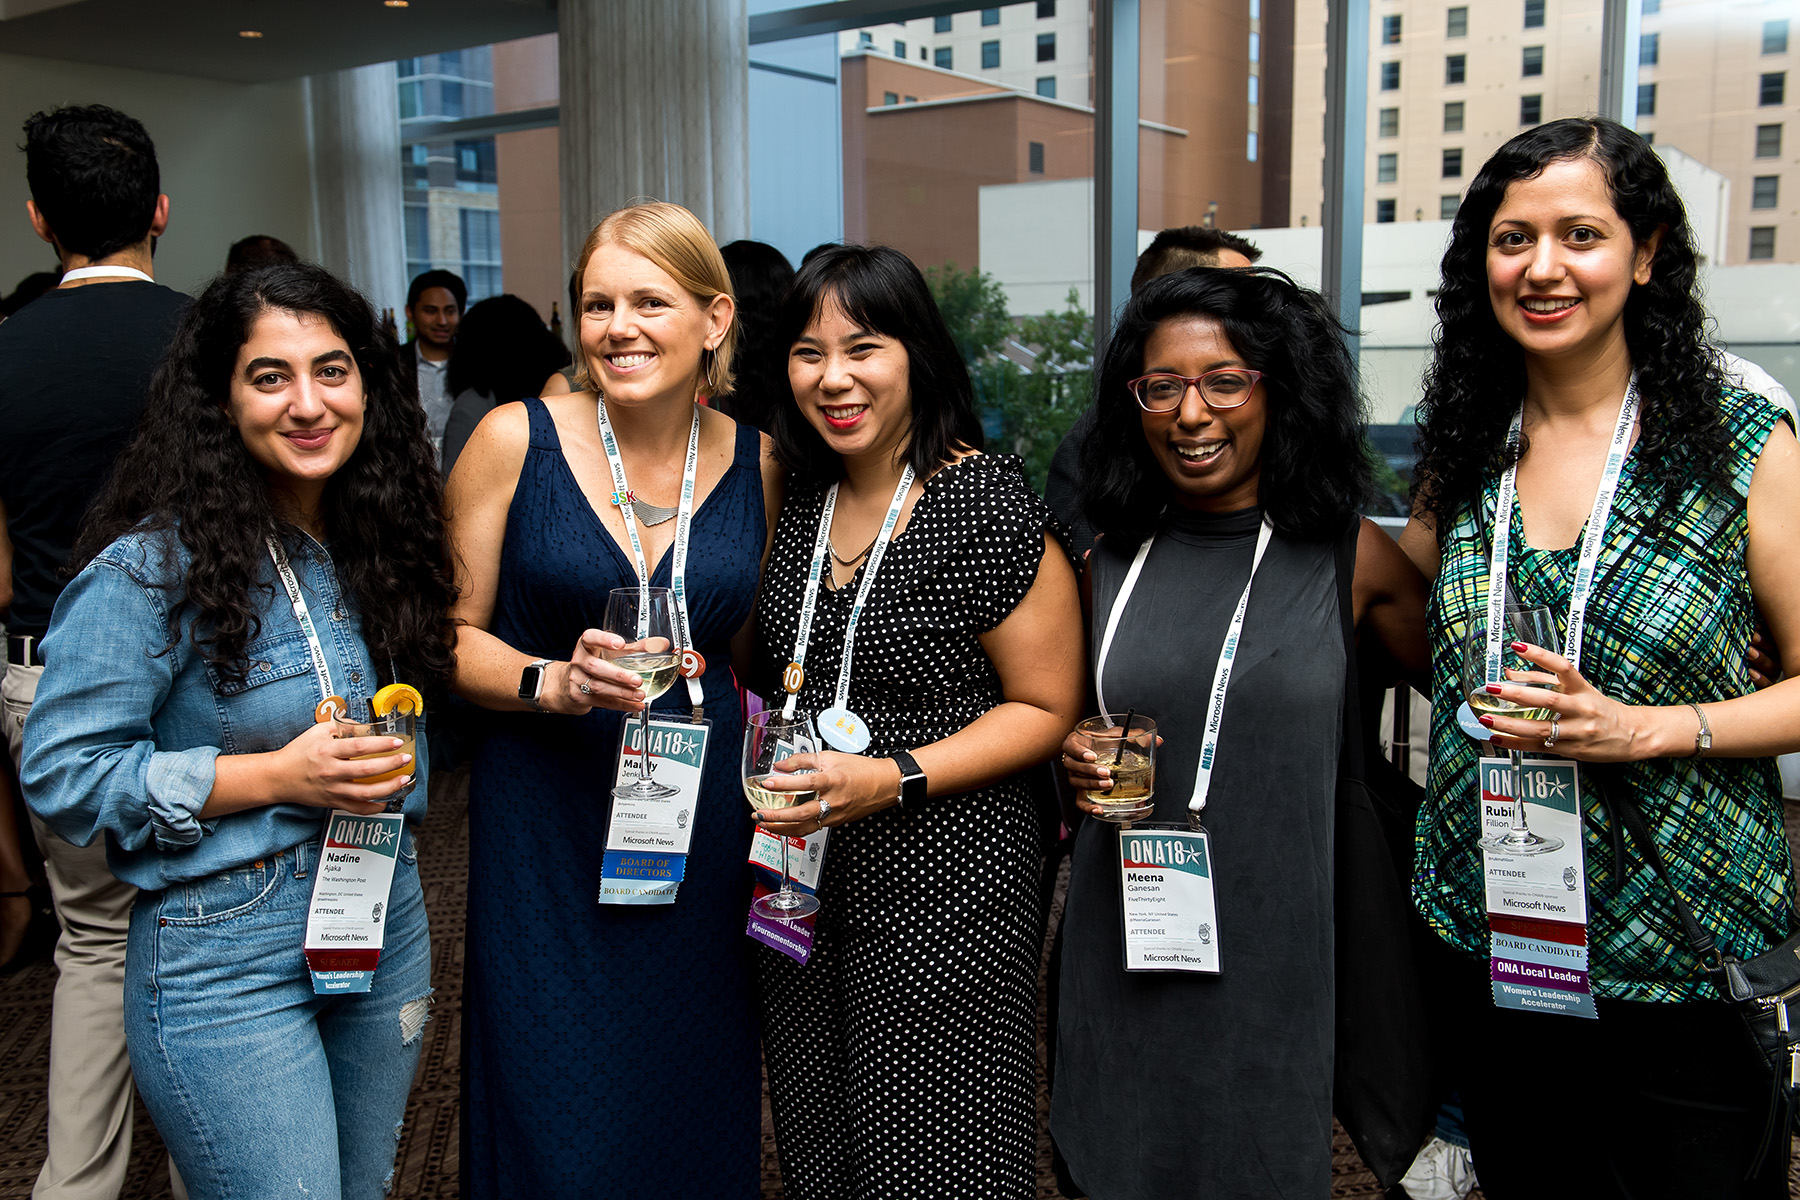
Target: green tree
(1032, 375)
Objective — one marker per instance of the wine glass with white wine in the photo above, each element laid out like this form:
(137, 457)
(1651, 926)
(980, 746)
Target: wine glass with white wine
(1535, 627)
(645, 618)
(770, 737)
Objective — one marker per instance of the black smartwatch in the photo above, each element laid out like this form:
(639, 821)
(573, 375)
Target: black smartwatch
(531, 682)
(912, 780)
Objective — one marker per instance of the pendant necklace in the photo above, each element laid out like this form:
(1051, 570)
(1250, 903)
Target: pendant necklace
(652, 514)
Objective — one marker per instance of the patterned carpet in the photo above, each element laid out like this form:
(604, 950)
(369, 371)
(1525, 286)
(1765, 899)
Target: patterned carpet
(427, 1163)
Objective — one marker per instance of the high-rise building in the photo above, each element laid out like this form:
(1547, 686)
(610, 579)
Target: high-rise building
(451, 188)
(1042, 47)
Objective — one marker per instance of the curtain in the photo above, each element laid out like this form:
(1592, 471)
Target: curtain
(353, 138)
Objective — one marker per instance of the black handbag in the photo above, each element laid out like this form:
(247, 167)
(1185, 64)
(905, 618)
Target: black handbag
(1765, 990)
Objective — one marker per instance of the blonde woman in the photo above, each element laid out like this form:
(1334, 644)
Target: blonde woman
(597, 1034)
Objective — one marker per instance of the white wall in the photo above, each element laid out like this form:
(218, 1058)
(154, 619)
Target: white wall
(233, 160)
(1037, 239)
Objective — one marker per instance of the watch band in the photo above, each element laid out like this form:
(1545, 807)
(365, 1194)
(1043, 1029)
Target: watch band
(1703, 735)
(912, 779)
(531, 682)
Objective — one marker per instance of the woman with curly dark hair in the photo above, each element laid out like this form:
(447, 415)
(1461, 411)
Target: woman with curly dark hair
(1573, 389)
(272, 537)
(1225, 475)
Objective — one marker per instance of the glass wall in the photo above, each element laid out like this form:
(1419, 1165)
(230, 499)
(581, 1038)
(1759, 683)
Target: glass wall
(450, 187)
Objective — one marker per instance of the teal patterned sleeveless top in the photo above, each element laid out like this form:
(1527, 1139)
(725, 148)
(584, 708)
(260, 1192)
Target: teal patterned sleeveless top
(1669, 623)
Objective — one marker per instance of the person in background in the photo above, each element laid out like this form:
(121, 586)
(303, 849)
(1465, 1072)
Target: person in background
(1172, 250)
(280, 455)
(74, 366)
(760, 277)
(1569, 288)
(563, 380)
(29, 289)
(901, 1055)
(502, 351)
(258, 250)
(434, 306)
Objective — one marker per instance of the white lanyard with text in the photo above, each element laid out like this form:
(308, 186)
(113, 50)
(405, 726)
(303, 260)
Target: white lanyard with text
(1215, 704)
(692, 665)
(1592, 538)
(838, 725)
(106, 273)
(278, 556)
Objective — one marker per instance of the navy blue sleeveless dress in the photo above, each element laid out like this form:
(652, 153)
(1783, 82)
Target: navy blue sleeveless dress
(609, 1051)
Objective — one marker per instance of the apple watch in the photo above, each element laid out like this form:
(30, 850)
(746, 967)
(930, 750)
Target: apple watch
(531, 682)
(912, 780)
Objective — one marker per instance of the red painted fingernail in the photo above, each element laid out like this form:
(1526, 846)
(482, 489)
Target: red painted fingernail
(1493, 689)
(1518, 647)
(1488, 721)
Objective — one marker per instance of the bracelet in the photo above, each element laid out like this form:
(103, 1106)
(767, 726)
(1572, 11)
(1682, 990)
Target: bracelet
(1703, 735)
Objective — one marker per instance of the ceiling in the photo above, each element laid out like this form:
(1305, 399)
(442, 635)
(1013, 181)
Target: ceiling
(299, 37)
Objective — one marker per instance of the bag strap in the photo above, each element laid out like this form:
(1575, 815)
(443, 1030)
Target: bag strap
(1702, 941)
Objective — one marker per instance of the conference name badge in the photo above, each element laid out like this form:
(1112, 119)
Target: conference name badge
(647, 839)
(1170, 911)
(347, 918)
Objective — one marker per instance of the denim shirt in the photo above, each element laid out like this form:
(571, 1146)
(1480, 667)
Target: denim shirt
(121, 739)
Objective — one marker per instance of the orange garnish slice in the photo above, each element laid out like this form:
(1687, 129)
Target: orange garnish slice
(397, 697)
(327, 707)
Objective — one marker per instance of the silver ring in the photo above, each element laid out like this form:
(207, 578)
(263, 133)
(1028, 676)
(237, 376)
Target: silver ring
(824, 809)
(1551, 740)
(586, 690)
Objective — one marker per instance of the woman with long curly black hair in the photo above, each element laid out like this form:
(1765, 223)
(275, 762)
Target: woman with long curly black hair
(1226, 468)
(1569, 314)
(272, 537)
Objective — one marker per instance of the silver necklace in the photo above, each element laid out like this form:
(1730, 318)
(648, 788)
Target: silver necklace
(652, 514)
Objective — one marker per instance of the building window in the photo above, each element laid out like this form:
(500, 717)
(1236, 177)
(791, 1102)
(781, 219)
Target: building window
(1455, 67)
(1765, 191)
(1250, 147)
(1447, 206)
(912, 99)
(1390, 31)
(1650, 48)
(1457, 24)
(941, 57)
(1649, 136)
(922, 54)
(1453, 117)
(1774, 37)
(1034, 154)
(990, 55)
(1534, 14)
(1255, 47)
(1046, 47)
(1773, 88)
(1646, 99)
(1387, 168)
(1046, 9)
(480, 251)
(1532, 61)
(990, 16)
(865, 40)
(1453, 164)
(940, 24)
(1389, 125)
(1531, 109)
(899, 48)
(1652, 6)
(1046, 87)
(1256, 89)
(1384, 212)
(890, 97)
(1762, 242)
(1390, 76)
(1768, 141)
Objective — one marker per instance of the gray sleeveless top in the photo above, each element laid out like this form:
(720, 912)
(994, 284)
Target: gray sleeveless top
(1199, 1085)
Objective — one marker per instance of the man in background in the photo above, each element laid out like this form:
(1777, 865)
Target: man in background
(74, 368)
(1173, 250)
(434, 304)
(258, 250)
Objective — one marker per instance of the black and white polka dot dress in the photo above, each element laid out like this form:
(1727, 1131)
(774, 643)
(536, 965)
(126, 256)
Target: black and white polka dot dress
(900, 1057)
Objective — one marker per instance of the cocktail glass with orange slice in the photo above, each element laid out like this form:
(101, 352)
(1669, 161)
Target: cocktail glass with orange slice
(394, 712)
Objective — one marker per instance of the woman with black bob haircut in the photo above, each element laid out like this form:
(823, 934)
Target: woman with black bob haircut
(273, 537)
(503, 353)
(1226, 467)
(963, 671)
(1577, 427)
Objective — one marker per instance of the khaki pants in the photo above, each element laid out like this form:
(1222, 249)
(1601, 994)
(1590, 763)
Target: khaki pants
(91, 1090)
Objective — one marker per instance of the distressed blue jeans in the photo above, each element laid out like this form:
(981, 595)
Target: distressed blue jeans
(260, 1088)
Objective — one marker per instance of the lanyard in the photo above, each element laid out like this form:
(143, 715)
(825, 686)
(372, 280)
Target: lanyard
(809, 603)
(106, 273)
(622, 497)
(1215, 702)
(279, 557)
(1583, 587)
